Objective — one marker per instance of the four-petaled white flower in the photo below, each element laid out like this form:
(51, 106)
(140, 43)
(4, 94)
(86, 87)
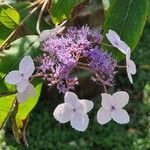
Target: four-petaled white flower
(112, 108)
(21, 78)
(115, 40)
(130, 66)
(74, 110)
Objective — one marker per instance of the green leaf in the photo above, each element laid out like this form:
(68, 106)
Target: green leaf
(4, 33)
(6, 104)
(9, 17)
(22, 115)
(24, 9)
(10, 58)
(62, 9)
(127, 18)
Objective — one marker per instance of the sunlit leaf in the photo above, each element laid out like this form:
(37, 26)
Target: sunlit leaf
(9, 17)
(6, 104)
(62, 9)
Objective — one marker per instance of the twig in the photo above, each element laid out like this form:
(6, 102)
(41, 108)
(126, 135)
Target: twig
(40, 16)
(104, 86)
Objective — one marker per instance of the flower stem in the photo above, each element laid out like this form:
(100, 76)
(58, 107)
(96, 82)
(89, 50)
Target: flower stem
(40, 16)
(105, 44)
(104, 86)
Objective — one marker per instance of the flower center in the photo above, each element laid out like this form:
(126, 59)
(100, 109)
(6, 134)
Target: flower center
(113, 108)
(74, 110)
(22, 74)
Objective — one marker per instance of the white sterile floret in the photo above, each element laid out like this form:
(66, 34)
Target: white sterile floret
(112, 108)
(115, 40)
(130, 66)
(21, 77)
(74, 110)
(52, 32)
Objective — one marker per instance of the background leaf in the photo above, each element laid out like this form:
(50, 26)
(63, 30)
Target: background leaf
(127, 18)
(6, 104)
(62, 9)
(9, 17)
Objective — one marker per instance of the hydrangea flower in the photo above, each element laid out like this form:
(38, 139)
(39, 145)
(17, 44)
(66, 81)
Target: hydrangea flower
(112, 108)
(21, 78)
(63, 52)
(130, 65)
(74, 110)
(115, 40)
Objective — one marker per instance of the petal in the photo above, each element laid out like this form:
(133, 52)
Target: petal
(130, 77)
(131, 67)
(62, 113)
(13, 77)
(79, 121)
(120, 116)
(107, 101)
(120, 99)
(71, 99)
(113, 38)
(88, 105)
(26, 66)
(29, 92)
(79, 107)
(123, 47)
(103, 116)
(22, 85)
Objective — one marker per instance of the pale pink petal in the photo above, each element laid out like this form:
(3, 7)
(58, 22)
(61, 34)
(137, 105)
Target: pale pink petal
(123, 47)
(13, 77)
(79, 107)
(21, 97)
(26, 67)
(131, 67)
(120, 99)
(107, 101)
(71, 99)
(22, 85)
(113, 38)
(88, 105)
(120, 116)
(62, 113)
(79, 121)
(29, 92)
(103, 116)
(130, 77)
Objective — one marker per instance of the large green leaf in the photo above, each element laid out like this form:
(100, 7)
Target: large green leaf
(62, 9)
(22, 115)
(127, 18)
(10, 58)
(6, 104)
(9, 17)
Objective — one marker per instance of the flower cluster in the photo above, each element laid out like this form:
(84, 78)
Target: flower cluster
(63, 53)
